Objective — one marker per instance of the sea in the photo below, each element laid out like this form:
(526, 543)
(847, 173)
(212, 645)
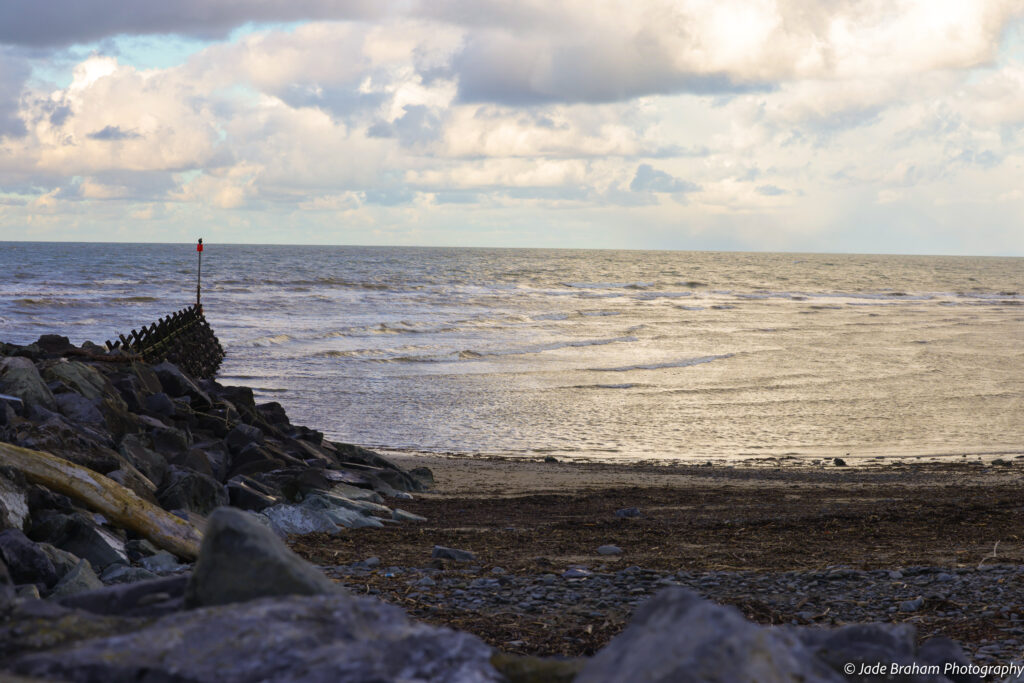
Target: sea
(624, 356)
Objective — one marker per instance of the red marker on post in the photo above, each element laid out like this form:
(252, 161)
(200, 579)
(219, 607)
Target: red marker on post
(199, 275)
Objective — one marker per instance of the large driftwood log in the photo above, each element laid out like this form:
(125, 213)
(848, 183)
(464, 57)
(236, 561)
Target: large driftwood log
(119, 504)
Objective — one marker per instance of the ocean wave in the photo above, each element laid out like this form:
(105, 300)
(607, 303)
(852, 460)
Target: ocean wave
(551, 316)
(684, 363)
(628, 385)
(598, 314)
(650, 296)
(691, 308)
(135, 299)
(273, 340)
(50, 302)
(607, 285)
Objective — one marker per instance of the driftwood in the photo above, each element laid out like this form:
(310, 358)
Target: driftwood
(119, 504)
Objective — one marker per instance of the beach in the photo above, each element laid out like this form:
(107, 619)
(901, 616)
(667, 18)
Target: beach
(933, 545)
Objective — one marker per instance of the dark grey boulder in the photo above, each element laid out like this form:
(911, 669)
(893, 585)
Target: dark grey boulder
(189, 490)
(54, 343)
(135, 449)
(319, 639)
(7, 591)
(159, 404)
(176, 383)
(79, 580)
(424, 476)
(62, 560)
(245, 493)
(83, 379)
(81, 536)
(146, 598)
(26, 561)
(19, 377)
(122, 573)
(273, 413)
(241, 559)
(170, 440)
(241, 436)
(443, 553)
(78, 408)
(677, 636)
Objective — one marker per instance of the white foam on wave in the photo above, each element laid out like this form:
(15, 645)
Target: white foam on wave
(684, 363)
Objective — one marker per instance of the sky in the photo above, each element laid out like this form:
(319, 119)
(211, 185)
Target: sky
(869, 126)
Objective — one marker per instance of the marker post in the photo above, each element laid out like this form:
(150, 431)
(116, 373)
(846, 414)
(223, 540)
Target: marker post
(199, 274)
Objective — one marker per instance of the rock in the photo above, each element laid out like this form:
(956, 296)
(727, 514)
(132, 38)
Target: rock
(122, 573)
(62, 560)
(550, 458)
(19, 377)
(151, 597)
(162, 562)
(77, 534)
(26, 562)
(609, 550)
(241, 436)
(677, 636)
(244, 493)
(151, 464)
(523, 669)
(311, 639)
(159, 404)
(13, 502)
(273, 413)
(356, 493)
(288, 520)
(576, 573)
(443, 553)
(28, 591)
(78, 408)
(79, 580)
(188, 490)
(240, 559)
(83, 379)
(839, 462)
(628, 512)
(366, 507)
(137, 549)
(216, 456)
(149, 382)
(424, 476)
(169, 440)
(7, 591)
(403, 516)
(341, 515)
(911, 605)
(54, 343)
(176, 383)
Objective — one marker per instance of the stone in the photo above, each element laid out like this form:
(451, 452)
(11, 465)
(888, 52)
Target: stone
(288, 520)
(161, 562)
(342, 516)
(911, 605)
(136, 451)
(313, 639)
(62, 560)
(78, 408)
(273, 413)
(54, 343)
(403, 516)
(26, 562)
(839, 462)
(216, 455)
(244, 495)
(240, 559)
(678, 636)
(241, 436)
(14, 509)
(150, 597)
(79, 580)
(83, 379)
(176, 383)
(19, 377)
(356, 493)
(609, 550)
(159, 404)
(628, 513)
(424, 476)
(122, 573)
(188, 490)
(79, 535)
(170, 440)
(149, 382)
(443, 553)
(139, 548)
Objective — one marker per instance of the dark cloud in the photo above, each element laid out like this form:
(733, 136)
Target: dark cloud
(650, 179)
(14, 71)
(520, 71)
(112, 133)
(56, 23)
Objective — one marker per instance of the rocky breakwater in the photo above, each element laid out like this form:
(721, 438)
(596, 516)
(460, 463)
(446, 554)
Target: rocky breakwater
(109, 468)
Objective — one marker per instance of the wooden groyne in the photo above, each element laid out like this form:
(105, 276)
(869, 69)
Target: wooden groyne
(183, 338)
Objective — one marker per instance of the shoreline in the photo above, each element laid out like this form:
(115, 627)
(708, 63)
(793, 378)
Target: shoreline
(935, 546)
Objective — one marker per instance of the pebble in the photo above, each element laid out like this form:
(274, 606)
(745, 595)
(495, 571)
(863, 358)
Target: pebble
(609, 550)
(835, 595)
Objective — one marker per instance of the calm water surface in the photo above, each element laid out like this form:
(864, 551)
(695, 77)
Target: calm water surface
(596, 354)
